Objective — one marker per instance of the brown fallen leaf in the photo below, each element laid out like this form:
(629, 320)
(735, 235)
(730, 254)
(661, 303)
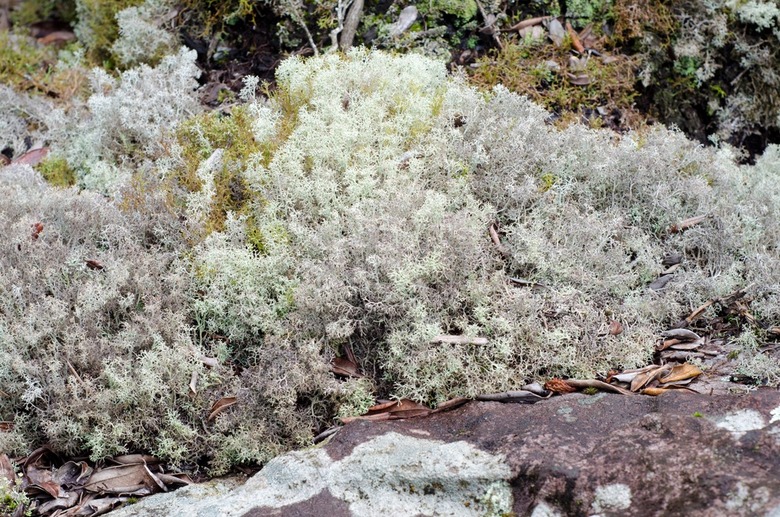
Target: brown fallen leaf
(615, 328)
(57, 37)
(68, 500)
(194, 382)
(345, 367)
(688, 223)
(6, 469)
(683, 334)
(134, 479)
(136, 459)
(93, 265)
(450, 404)
(660, 282)
(37, 229)
(529, 22)
(645, 378)
(575, 39)
(654, 391)
(693, 345)
(559, 386)
(220, 406)
(680, 372)
(593, 383)
(32, 157)
(666, 343)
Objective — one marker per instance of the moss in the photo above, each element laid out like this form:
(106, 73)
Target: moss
(27, 13)
(57, 172)
(543, 72)
(203, 134)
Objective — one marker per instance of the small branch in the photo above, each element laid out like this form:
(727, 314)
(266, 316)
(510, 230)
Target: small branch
(494, 31)
(351, 25)
(460, 340)
(598, 385)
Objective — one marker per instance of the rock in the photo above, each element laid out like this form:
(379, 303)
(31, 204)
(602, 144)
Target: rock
(676, 454)
(405, 20)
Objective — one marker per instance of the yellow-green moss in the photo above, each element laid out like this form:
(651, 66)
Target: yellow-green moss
(57, 172)
(199, 137)
(540, 71)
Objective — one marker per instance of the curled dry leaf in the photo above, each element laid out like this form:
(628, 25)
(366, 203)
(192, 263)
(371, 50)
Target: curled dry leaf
(660, 282)
(37, 228)
(32, 157)
(344, 367)
(643, 379)
(681, 372)
(559, 386)
(615, 328)
(683, 334)
(6, 469)
(688, 223)
(94, 265)
(392, 410)
(220, 406)
(599, 385)
(654, 391)
(575, 39)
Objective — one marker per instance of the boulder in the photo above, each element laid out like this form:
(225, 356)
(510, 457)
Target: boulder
(677, 454)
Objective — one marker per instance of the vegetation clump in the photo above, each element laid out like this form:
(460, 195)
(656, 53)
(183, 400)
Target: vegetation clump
(447, 239)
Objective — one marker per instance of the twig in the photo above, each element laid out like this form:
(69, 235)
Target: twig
(495, 32)
(341, 9)
(460, 340)
(512, 396)
(325, 434)
(351, 24)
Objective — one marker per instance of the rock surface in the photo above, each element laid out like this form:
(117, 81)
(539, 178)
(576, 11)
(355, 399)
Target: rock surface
(677, 454)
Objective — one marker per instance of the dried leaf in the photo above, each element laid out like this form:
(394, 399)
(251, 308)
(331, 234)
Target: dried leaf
(136, 459)
(666, 343)
(345, 367)
(6, 469)
(394, 406)
(654, 391)
(625, 377)
(450, 404)
(194, 382)
(220, 406)
(57, 37)
(72, 473)
(32, 157)
(680, 355)
(686, 346)
(575, 39)
(68, 500)
(681, 334)
(660, 282)
(698, 311)
(598, 385)
(175, 479)
(529, 22)
(615, 328)
(579, 79)
(559, 386)
(680, 372)
(36, 231)
(94, 265)
(124, 479)
(643, 379)
(688, 223)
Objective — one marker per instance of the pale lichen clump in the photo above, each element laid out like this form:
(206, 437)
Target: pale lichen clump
(347, 216)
